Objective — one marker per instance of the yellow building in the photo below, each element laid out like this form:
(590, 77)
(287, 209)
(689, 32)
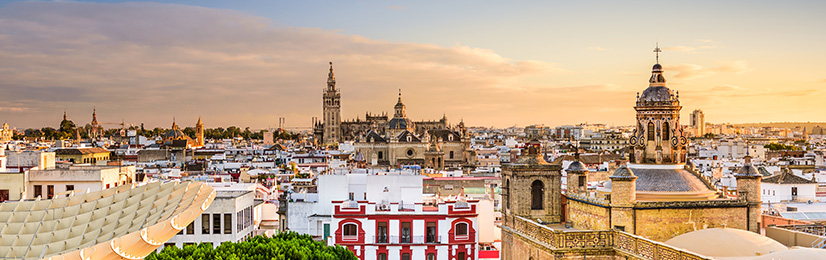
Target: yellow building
(90, 155)
(6, 134)
(654, 198)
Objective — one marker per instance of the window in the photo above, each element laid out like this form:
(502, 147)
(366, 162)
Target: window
(190, 229)
(582, 181)
(431, 256)
(406, 256)
(409, 152)
(4, 195)
(38, 191)
(537, 192)
(350, 230)
(352, 196)
(666, 131)
(405, 232)
(794, 191)
(381, 155)
(216, 223)
(70, 187)
(227, 223)
(382, 256)
(430, 235)
(451, 154)
(461, 256)
(461, 229)
(205, 224)
(650, 131)
(381, 233)
(620, 228)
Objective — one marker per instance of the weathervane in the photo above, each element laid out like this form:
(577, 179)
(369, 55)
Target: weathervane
(658, 50)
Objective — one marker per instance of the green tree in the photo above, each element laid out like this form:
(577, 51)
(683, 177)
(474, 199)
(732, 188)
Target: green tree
(286, 245)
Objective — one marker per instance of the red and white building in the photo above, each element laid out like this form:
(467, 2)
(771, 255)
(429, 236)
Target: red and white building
(395, 231)
(385, 216)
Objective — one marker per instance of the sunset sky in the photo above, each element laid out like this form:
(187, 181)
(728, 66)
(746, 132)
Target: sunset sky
(491, 63)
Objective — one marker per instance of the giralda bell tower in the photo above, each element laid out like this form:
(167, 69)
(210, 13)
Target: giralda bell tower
(332, 110)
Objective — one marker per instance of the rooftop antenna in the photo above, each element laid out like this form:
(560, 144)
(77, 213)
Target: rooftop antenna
(657, 50)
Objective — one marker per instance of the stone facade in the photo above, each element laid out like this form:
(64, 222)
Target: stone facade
(588, 215)
(532, 187)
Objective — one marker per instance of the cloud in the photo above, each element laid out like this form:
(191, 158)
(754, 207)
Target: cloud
(13, 109)
(705, 45)
(148, 62)
(594, 48)
(725, 88)
(693, 71)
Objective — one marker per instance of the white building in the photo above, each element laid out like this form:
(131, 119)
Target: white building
(788, 187)
(232, 217)
(50, 182)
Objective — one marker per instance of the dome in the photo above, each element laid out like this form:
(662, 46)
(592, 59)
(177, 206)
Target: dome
(657, 67)
(795, 253)
(726, 242)
(623, 172)
(400, 123)
(657, 93)
(577, 166)
(174, 134)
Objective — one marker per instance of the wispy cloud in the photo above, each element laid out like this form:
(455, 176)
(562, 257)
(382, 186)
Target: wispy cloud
(692, 71)
(13, 109)
(82, 55)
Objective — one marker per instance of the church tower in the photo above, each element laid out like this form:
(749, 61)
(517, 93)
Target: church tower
(332, 110)
(658, 137)
(199, 133)
(97, 130)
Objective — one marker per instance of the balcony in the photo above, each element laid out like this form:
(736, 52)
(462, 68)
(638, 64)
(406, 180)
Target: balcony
(433, 239)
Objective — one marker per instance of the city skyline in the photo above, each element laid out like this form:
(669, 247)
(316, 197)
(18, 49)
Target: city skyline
(491, 65)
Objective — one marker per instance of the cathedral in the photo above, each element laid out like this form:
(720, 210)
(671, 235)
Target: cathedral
(654, 197)
(175, 138)
(384, 141)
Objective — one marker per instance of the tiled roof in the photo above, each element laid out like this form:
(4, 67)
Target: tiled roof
(80, 151)
(589, 158)
(786, 177)
(667, 180)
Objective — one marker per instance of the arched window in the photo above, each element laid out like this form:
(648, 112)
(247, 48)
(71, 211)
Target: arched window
(666, 131)
(350, 230)
(650, 131)
(451, 154)
(461, 229)
(537, 192)
(431, 256)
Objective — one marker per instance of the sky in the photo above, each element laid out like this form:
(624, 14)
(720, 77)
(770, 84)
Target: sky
(488, 63)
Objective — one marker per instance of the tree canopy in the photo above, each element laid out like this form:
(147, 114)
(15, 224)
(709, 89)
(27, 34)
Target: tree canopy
(283, 246)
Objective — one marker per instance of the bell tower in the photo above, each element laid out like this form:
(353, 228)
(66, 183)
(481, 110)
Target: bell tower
(658, 137)
(332, 110)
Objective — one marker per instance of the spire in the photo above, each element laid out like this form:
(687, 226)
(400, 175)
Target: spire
(64, 115)
(174, 125)
(94, 116)
(331, 78)
(199, 121)
(657, 78)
